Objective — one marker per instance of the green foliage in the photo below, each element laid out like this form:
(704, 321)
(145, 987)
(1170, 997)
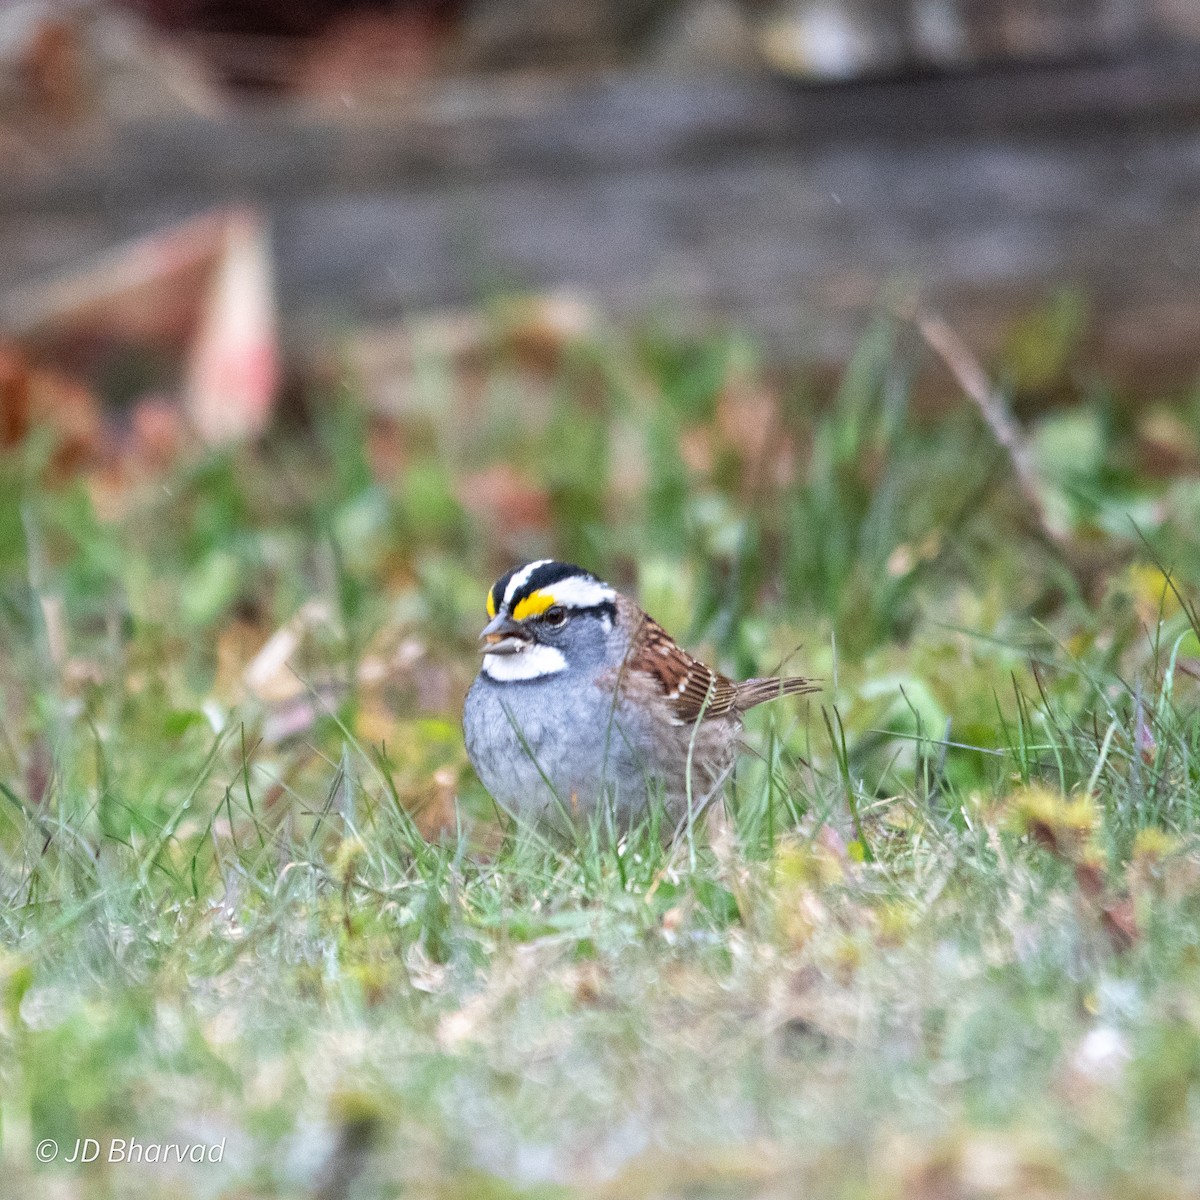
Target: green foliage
(1044, 344)
(943, 942)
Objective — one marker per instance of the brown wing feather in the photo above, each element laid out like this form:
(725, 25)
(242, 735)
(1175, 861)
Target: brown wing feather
(690, 687)
(693, 689)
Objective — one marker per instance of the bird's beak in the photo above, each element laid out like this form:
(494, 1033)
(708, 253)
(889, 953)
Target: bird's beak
(502, 635)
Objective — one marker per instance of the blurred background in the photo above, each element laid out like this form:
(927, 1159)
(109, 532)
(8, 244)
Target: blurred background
(857, 339)
(769, 165)
(814, 321)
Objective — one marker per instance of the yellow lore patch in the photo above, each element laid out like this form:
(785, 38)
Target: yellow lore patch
(533, 605)
(491, 603)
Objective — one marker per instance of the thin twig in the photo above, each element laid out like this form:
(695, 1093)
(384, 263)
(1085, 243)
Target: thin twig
(975, 384)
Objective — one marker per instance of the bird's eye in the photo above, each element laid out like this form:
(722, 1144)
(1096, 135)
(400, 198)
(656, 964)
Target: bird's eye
(554, 616)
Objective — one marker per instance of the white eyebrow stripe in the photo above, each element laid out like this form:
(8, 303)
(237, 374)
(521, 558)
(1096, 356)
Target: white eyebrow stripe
(519, 580)
(576, 591)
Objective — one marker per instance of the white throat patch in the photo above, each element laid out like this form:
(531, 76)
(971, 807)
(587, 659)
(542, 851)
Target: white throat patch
(525, 664)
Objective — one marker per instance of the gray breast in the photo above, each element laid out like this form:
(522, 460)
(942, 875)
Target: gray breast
(555, 748)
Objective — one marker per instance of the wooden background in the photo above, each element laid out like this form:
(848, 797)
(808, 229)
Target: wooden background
(780, 206)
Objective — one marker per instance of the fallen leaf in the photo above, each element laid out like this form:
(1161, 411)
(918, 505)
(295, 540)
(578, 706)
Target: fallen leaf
(233, 367)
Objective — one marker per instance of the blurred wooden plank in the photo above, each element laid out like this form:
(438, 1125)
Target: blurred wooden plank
(596, 123)
(784, 208)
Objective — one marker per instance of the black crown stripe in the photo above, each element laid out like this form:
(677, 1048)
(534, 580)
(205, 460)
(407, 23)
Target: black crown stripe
(551, 573)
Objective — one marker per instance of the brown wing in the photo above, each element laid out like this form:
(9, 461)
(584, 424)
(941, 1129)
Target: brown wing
(691, 688)
(694, 690)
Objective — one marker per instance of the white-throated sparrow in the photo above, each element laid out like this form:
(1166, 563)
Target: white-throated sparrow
(584, 701)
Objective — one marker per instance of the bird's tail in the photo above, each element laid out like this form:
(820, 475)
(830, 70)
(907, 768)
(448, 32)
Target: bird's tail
(758, 691)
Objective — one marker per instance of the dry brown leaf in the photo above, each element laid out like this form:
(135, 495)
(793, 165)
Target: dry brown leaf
(269, 676)
(747, 420)
(158, 433)
(14, 395)
(53, 69)
(540, 329)
(233, 364)
(1166, 445)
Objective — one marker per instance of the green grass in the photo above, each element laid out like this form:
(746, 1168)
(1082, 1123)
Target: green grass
(947, 943)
